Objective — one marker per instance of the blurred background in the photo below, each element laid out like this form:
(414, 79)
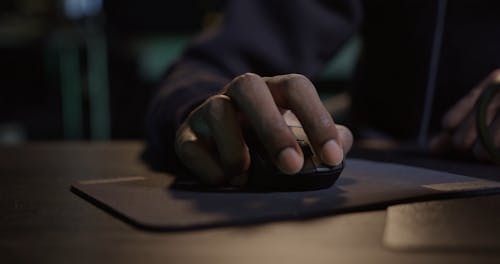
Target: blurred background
(86, 69)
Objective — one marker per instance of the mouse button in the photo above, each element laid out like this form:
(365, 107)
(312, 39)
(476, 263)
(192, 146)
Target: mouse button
(291, 119)
(302, 143)
(306, 149)
(299, 133)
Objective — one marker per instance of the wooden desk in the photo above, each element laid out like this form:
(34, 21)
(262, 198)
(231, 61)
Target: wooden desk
(41, 221)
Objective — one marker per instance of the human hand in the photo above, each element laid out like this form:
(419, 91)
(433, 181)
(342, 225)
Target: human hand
(211, 144)
(459, 123)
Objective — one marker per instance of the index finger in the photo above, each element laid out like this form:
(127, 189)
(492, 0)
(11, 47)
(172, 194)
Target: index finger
(252, 96)
(296, 92)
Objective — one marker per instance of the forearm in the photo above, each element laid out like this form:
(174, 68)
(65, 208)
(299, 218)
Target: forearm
(267, 37)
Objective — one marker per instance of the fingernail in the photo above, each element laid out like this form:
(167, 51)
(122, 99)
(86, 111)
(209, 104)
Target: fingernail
(331, 153)
(289, 161)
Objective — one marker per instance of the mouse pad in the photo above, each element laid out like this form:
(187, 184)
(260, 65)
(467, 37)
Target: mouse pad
(155, 203)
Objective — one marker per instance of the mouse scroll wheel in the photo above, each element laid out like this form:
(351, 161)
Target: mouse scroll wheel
(306, 149)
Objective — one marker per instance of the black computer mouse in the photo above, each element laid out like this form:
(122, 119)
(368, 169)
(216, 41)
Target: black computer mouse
(264, 175)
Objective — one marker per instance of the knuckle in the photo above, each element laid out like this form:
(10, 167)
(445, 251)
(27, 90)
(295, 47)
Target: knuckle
(217, 105)
(243, 82)
(297, 84)
(246, 78)
(297, 76)
(299, 80)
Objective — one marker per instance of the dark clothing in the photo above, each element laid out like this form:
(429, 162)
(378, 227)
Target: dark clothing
(299, 36)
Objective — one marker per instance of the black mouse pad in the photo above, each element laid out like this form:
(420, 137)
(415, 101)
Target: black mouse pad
(153, 203)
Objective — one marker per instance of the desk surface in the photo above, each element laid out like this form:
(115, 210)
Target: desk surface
(43, 222)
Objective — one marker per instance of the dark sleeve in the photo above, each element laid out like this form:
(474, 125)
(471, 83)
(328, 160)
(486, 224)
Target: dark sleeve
(262, 36)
